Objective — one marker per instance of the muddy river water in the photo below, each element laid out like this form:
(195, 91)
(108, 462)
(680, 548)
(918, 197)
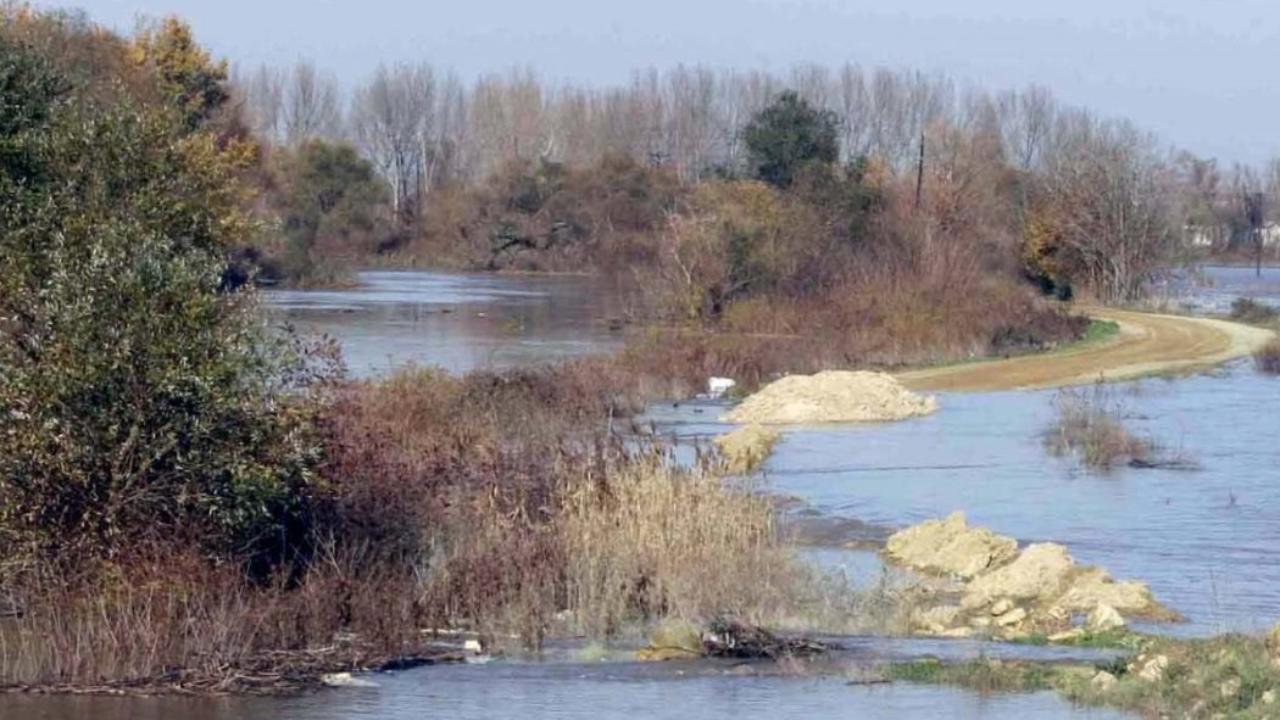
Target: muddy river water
(1208, 541)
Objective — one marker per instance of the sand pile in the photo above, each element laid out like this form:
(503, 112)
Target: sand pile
(834, 396)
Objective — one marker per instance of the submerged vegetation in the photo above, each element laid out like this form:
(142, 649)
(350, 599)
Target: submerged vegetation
(1267, 359)
(1090, 426)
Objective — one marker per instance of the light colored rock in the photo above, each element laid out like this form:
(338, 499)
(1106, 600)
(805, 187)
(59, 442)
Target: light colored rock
(1269, 697)
(1153, 669)
(473, 646)
(956, 633)
(980, 621)
(1103, 681)
(346, 680)
(949, 546)
(746, 448)
(1091, 587)
(936, 619)
(1038, 573)
(1067, 635)
(1103, 617)
(672, 640)
(1011, 618)
(835, 396)
(1229, 688)
(1002, 606)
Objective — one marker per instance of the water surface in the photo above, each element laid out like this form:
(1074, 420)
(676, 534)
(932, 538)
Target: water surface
(457, 321)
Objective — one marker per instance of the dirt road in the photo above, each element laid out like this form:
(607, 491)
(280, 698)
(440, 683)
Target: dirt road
(1147, 344)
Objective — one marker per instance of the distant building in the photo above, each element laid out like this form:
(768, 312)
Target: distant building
(1223, 237)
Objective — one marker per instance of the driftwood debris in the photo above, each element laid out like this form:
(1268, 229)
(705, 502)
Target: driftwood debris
(732, 639)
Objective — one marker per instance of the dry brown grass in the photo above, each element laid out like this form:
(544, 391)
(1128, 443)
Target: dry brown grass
(651, 541)
(180, 624)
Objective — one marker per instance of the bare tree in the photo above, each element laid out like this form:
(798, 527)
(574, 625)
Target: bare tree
(311, 105)
(1115, 195)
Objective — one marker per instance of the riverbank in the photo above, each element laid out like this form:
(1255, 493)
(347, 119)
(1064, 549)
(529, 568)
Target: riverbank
(1146, 344)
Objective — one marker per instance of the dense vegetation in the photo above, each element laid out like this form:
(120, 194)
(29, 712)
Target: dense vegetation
(189, 498)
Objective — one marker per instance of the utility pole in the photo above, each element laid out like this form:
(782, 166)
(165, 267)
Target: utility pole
(1254, 213)
(920, 173)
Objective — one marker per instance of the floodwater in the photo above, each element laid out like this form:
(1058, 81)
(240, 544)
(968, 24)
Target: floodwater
(1205, 540)
(456, 321)
(562, 687)
(1214, 287)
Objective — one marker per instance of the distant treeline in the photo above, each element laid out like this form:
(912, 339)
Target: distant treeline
(424, 127)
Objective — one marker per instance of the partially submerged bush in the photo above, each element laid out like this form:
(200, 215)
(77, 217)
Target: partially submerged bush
(1249, 310)
(1089, 425)
(1267, 358)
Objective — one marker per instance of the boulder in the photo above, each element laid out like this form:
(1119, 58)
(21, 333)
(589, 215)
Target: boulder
(1012, 618)
(949, 546)
(936, 620)
(1103, 617)
(1091, 587)
(1103, 681)
(1152, 669)
(1038, 573)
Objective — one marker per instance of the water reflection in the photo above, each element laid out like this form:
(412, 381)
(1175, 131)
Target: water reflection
(456, 321)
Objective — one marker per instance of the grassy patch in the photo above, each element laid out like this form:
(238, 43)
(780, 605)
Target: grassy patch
(1231, 676)
(980, 675)
(1099, 331)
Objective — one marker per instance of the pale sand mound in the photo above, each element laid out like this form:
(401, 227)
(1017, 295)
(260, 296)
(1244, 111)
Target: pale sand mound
(950, 547)
(746, 448)
(833, 396)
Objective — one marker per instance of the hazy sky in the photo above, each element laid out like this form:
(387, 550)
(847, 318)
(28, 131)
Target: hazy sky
(1204, 74)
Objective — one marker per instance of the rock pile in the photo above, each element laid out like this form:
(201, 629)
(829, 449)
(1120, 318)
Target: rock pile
(1007, 593)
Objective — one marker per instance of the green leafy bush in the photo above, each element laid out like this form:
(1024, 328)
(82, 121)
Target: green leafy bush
(138, 404)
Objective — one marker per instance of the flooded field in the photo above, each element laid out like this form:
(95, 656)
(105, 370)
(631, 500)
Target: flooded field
(1203, 539)
(1214, 287)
